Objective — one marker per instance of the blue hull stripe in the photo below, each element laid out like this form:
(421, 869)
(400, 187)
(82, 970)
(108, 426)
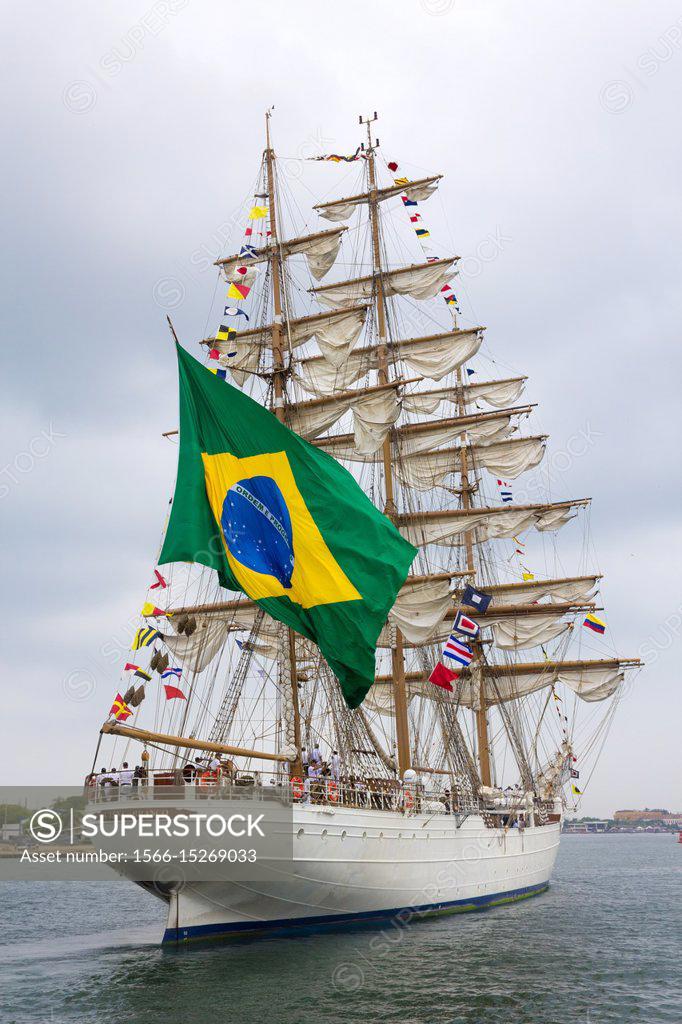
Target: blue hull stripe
(310, 925)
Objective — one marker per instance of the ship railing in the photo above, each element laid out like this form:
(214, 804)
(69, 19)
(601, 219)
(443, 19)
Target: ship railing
(364, 793)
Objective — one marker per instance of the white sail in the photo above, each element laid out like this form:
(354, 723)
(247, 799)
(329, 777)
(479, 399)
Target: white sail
(373, 415)
(513, 627)
(590, 681)
(573, 589)
(496, 393)
(520, 632)
(320, 249)
(484, 524)
(419, 609)
(420, 281)
(433, 356)
(342, 209)
(335, 333)
(426, 470)
(197, 651)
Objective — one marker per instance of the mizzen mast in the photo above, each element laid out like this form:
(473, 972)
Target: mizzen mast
(397, 653)
(481, 712)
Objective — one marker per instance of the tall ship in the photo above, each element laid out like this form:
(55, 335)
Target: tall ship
(435, 780)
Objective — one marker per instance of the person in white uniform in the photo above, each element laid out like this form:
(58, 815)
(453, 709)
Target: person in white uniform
(125, 776)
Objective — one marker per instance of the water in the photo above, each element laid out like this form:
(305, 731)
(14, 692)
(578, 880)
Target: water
(602, 945)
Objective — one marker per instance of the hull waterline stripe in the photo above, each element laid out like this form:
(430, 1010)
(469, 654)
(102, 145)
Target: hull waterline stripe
(308, 925)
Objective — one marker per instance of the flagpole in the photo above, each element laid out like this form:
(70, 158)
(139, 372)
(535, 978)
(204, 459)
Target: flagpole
(170, 324)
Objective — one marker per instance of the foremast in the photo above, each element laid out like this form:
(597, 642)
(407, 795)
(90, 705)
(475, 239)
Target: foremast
(278, 391)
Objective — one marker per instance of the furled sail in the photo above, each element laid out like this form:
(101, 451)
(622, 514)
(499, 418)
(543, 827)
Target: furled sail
(507, 458)
(514, 627)
(373, 416)
(498, 393)
(514, 633)
(413, 438)
(571, 589)
(590, 680)
(342, 209)
(312, 420)
(451, 526)
(432, 356)
(335, 333)
(420, 608)
(320, 249)
(198, 650)
(420, 281)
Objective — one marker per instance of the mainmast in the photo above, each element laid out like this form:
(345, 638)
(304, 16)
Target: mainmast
(397, 653)
(278, 394)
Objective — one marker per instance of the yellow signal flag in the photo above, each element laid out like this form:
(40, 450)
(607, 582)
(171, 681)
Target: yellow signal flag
(258, 212)
(527, 576)
(575, 790)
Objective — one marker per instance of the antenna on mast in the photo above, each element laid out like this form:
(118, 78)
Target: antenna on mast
(369, 121)
(268, 115)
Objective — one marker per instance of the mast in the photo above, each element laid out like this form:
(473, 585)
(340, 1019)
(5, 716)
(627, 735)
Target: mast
(397, 653)
(481, 713)
(278, 389)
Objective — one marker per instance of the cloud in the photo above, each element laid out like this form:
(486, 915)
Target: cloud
(130, 158)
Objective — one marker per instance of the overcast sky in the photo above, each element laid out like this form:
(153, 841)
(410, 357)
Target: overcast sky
(131, 131)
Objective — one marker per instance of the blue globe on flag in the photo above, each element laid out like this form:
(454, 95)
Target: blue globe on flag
(257, 528)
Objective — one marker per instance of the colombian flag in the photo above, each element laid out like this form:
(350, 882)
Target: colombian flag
(283, 522)
(595, 624)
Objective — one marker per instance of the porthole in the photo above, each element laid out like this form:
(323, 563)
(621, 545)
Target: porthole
(344, 834)
(324, 833)
(300, 833)
(364, 835)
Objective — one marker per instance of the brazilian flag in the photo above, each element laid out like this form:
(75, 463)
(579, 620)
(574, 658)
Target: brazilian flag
(282, 521)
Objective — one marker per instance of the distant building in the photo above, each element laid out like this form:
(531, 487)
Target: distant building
(648, 814)
(586, 826)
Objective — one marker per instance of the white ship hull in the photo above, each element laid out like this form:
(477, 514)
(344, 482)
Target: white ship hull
(363, 866)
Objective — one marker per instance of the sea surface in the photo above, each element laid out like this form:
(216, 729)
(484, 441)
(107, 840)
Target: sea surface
(604, 944)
